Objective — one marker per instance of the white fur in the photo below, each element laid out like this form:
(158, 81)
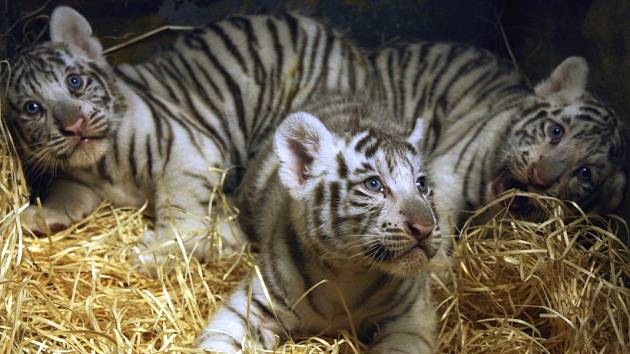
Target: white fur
(176, 194)
(567, 82)
(406, 324)
(417, 133)
(68, 26)
(311, 135)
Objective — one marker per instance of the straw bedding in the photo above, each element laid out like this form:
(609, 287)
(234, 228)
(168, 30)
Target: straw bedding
(557, 286)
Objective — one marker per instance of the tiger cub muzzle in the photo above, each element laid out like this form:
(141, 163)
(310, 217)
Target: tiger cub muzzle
(409, 235)
(79, 134)
(545, 172)
(419, 225)
(75, 124)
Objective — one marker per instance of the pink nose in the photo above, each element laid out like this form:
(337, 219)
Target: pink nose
(76, 128)
(419, 231)
(534, 176)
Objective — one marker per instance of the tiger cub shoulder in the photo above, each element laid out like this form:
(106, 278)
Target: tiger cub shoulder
(340, 207)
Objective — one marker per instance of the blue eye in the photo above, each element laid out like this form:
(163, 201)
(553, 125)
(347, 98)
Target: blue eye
(373, 184)
(74, 82)
(421, 185)
(555, 132)
(32, 108)
(584, 174)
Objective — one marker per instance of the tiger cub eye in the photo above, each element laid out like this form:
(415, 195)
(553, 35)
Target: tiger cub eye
(421, 185)
(32, 108)
(555, 131)
(373, 184)
(584, 174)
(74, 82)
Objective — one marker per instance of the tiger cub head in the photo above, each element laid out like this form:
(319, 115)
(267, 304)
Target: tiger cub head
(364, 193)
(63, 102)
(566, 143)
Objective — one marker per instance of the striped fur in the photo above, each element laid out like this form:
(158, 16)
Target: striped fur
(151, 131)
(486, 131)
(212, 99)
(308, 203)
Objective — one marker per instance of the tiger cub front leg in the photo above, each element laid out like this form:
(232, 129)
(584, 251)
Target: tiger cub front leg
(68, 202)
(246, 320)
(182, 200)
(410, 330)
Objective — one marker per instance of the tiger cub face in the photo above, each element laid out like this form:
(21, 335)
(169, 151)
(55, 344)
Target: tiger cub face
(565, 143)
(364, 192)
(63, 100)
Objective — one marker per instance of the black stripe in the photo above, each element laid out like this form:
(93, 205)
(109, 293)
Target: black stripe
(342, 167)
(467, 177)
(214, 134)
(142, 92)
(334, 207)
(483, 182)
(131, 157)
(313, 55)
(317, 210)
(370, 291)
(149, 156)
(371, 150)
(472, 138)
(229, 44)
(330, 39)
(299, 261)
(238, 314)
(361, 143)
(169, 144)
(233, 88)
(292, 23)
(102, 170)
(262, 308)
(277, 46)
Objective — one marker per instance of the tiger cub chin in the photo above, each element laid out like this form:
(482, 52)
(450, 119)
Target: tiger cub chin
(341, 211)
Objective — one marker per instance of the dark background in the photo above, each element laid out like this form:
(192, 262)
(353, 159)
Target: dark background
(540, 33)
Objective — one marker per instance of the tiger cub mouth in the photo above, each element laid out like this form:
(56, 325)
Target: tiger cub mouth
(86, 150)
(85, 142)
(505, 181)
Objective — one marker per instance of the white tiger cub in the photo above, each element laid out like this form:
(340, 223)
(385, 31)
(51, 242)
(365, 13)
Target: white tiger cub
(340, 208)
(487, 131)
(150, 132)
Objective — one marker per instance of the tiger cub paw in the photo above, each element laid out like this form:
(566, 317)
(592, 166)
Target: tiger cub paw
(403, 343)
(43, 221)
(232, 237)
(213, 344)
(148, 255)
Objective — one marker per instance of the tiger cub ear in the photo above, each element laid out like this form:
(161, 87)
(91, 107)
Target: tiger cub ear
(68, 26)
(299, 141)
(567, 82)
(416, 135)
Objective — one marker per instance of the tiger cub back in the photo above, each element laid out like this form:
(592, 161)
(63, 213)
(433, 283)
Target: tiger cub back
(341, 210)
